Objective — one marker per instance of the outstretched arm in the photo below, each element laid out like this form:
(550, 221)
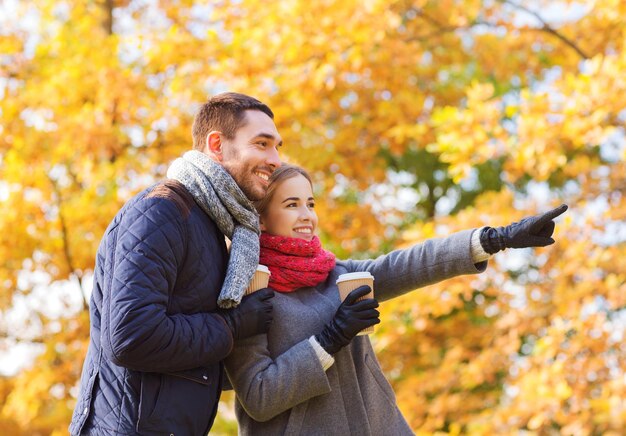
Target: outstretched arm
(461, 253)
(429, 262)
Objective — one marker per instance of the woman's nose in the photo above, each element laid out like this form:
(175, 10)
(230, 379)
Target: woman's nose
(305, 214)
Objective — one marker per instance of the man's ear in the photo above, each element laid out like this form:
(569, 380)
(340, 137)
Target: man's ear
(213, 146)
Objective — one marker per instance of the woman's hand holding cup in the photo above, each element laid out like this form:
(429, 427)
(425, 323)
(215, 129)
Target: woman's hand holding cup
(352, 316)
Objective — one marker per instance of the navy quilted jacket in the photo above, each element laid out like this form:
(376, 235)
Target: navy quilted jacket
(154, 360)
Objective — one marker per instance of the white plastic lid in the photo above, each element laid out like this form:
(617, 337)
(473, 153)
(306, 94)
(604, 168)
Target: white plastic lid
(264, 269)
(354, 276)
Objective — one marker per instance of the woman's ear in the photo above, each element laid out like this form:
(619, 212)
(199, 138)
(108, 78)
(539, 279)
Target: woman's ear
(263, 228)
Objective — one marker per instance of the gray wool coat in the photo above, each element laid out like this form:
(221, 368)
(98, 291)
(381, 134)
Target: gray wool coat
(281, 386)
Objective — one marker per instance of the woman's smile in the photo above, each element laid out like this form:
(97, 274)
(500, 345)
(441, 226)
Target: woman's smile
(304, 230)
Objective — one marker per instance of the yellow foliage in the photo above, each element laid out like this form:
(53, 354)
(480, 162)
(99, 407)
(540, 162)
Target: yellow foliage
(90, 114)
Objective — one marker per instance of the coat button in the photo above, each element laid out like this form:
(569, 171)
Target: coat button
(85, 411)
(205, 377)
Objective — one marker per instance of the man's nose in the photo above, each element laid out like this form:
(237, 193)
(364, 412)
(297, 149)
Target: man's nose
(272, 158)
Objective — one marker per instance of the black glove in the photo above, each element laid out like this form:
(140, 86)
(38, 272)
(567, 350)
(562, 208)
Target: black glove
(533, 231)
(253, 316)
(351, 317)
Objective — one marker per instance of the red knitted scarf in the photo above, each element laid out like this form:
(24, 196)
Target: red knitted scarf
(295, 263)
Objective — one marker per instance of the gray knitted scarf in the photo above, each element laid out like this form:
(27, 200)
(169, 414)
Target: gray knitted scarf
(219, 196)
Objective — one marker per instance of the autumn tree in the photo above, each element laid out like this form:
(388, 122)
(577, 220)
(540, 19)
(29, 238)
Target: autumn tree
(417, 118)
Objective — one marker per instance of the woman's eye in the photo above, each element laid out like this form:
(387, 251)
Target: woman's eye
(291, 205)
(262, 144)
(311, 205)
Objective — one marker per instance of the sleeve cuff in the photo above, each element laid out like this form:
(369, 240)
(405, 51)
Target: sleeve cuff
(476, 249)
(325, 359)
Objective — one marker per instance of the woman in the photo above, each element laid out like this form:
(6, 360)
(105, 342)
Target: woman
(311, 373)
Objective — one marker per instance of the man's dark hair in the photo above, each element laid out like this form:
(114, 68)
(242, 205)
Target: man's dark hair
(224, 113)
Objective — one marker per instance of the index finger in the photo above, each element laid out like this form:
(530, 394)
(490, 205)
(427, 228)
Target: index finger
(357, 293)
(551, 214)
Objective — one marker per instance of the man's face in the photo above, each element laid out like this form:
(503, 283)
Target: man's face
(252, 155)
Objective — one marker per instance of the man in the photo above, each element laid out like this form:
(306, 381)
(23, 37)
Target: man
(158, 337)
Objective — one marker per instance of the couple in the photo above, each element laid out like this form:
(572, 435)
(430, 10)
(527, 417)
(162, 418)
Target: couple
(167, 310)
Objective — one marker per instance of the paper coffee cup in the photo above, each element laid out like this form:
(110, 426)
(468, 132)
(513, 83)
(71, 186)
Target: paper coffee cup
(349, 282)
(260, 279)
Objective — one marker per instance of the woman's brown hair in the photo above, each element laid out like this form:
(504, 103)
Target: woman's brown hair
(282, 173)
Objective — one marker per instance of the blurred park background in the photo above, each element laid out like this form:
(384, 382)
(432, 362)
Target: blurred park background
(417, 118)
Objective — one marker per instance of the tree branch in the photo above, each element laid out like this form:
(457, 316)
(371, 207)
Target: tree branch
(107, 24)
(66, 245)
(545, 27)
(4, 336)
(441, 28)
(549, 29)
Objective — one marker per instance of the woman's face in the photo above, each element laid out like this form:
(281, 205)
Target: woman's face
(291, 211)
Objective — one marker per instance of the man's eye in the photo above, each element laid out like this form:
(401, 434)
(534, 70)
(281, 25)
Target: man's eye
(262, 144)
